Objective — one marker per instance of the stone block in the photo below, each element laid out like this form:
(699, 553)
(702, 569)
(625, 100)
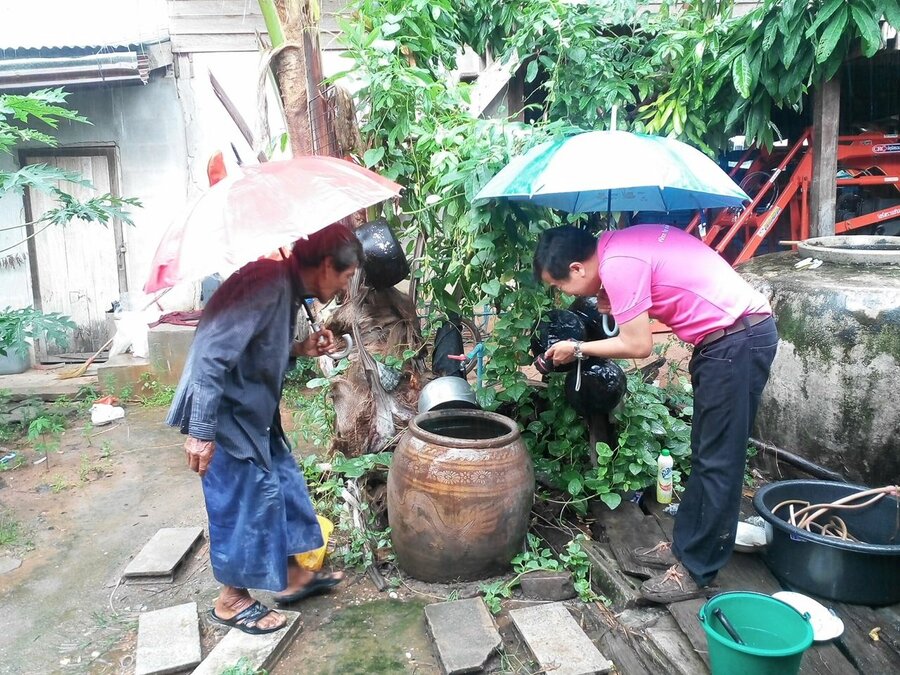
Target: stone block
(260, 652)
(463, 633)
(162, 554)
(167, 348)
(547, 585)
(168, 640)
(557, 641)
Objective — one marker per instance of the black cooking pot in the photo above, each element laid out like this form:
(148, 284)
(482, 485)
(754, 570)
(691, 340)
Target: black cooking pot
(385, 263)
(602, 387)
(556, 326)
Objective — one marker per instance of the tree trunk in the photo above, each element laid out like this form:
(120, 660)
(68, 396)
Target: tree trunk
(291, 72)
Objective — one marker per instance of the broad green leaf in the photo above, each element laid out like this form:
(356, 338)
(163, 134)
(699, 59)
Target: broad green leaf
(531, 70)
(491, 288)
(611, 499)
(373, 156)
(791, 43)
(825, 14)
(831, 36)
(769, 35)
(869, 30)
(892, 13)
(741, 76)
(577, 54)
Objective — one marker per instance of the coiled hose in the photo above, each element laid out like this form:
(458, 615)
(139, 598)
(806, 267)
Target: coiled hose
(809, 516)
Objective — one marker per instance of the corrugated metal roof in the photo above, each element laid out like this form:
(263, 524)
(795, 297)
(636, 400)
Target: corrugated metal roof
(81, 24)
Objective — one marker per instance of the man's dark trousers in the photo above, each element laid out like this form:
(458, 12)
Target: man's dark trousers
(728, 377)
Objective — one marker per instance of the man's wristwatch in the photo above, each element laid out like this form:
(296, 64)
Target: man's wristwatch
(578, 353)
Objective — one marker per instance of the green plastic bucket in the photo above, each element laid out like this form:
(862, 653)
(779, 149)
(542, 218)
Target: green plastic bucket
(775, 635)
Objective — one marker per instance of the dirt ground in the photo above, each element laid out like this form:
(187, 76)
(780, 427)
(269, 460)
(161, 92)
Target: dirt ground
(80, 522)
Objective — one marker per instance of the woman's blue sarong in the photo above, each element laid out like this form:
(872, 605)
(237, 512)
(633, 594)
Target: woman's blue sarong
(257, 518)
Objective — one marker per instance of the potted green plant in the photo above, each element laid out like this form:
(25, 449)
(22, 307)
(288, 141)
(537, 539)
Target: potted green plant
(18, 326)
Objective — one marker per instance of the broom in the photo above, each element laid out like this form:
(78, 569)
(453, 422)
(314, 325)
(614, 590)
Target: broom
(78, 371)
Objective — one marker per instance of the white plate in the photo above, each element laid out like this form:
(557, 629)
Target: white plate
(749, 538)
(825, 625)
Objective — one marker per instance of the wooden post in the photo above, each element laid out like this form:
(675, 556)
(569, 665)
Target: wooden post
(823, 190)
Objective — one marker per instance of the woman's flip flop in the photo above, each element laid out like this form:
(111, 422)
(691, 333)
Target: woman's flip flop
(247, 620)
(318, 584)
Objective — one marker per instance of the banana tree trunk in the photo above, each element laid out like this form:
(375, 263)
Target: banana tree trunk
(296, 21)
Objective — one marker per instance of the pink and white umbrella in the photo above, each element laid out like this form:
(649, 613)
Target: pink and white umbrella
(265, 207)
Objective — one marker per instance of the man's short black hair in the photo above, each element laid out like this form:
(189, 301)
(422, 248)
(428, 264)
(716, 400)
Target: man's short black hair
(336, 241)
(560, 247)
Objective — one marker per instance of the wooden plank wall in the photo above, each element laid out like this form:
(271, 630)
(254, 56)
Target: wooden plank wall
(231, 25)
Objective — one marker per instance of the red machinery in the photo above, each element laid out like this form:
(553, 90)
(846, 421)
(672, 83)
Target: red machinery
(778, 182)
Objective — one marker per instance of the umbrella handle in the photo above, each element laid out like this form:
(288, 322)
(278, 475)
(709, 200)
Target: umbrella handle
(610, 332)
(337, 356)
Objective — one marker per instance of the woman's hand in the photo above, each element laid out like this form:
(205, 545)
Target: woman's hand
(199, 454)
(317, 344)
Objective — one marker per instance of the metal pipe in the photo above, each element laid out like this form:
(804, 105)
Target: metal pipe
(805, 465)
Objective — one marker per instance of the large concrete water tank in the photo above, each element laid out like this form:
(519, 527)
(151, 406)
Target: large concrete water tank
(832, 397)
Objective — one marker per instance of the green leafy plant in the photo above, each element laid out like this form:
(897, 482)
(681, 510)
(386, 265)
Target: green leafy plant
(536, 558)
(17, 326)
(314, 415)
(105, 450)
(243, 667)
(22, 118)
(326, 482)
(59, 484)
(646, 425)
(151, 392)
(10, 531)
(45, 433)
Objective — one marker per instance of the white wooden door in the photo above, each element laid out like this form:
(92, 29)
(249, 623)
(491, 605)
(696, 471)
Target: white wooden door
(76, 266)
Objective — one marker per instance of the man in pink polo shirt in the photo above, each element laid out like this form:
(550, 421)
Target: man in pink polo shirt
(660, 272)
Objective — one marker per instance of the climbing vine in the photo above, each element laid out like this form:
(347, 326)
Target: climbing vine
(691, 70)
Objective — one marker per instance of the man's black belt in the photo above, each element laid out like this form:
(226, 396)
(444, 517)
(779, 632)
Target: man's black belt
(743, 323)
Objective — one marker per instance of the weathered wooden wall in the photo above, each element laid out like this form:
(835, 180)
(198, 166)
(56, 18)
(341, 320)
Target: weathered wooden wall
(231, 25)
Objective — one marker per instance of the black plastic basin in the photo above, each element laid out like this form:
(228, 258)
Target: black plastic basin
(846, 571)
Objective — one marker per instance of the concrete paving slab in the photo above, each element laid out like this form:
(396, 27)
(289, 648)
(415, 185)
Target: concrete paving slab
(168, 640)
(260, 652)
(464, 634)
(162, 554)
(557, 641)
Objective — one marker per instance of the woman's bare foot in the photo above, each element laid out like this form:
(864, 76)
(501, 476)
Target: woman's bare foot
(302, 583)
(232, 601)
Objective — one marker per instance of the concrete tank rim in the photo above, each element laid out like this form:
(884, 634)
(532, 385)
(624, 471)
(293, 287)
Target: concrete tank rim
(850, 249)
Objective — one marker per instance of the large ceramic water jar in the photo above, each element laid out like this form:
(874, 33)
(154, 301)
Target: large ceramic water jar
(459, 495)
(832, 393)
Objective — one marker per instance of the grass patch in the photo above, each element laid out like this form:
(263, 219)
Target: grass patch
(12, 535)
(10, 531)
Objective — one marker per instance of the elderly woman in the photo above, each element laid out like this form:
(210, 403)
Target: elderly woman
(227, 403)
